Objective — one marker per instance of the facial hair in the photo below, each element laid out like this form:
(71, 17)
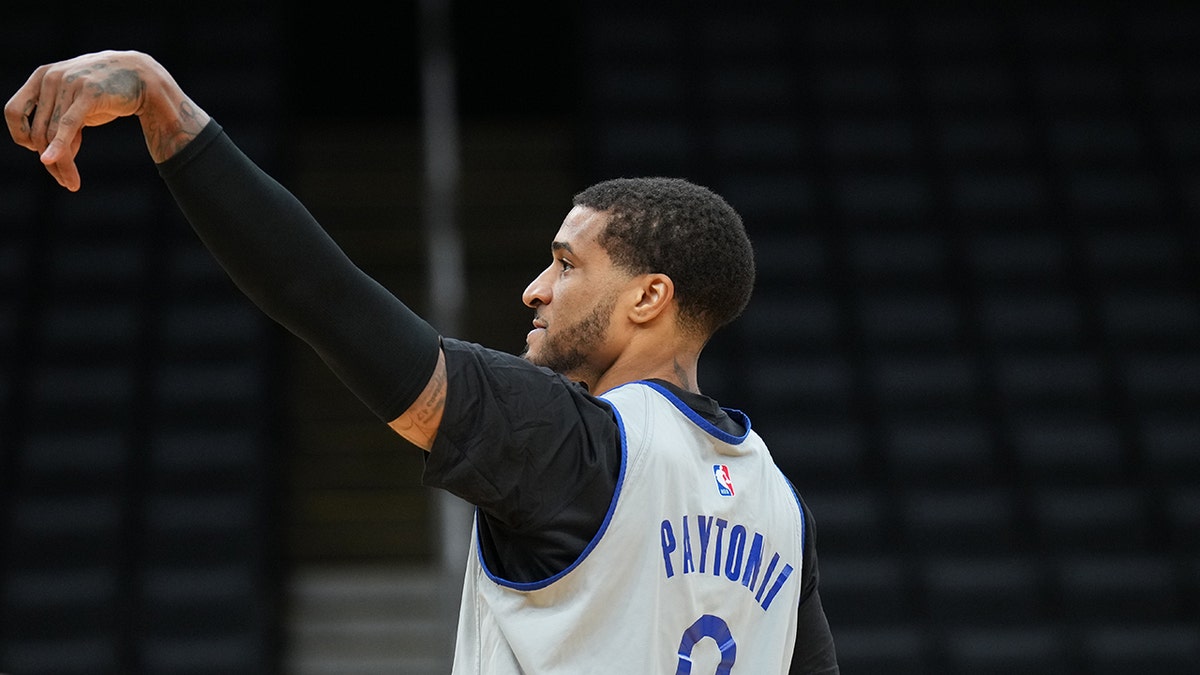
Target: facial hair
(569, 349)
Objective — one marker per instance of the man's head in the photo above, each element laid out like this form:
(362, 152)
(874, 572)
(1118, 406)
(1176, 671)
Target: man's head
(682, 230)
(634, 254)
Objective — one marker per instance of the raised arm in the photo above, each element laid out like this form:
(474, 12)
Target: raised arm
(264, 238)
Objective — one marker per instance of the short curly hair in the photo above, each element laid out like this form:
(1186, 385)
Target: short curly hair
(685, 231)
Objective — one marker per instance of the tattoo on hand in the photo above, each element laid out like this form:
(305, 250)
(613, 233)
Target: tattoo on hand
(124, 83)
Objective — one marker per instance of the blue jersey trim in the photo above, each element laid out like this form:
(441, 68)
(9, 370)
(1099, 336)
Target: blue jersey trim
(737, 416)
(612, 507)
(799, 507)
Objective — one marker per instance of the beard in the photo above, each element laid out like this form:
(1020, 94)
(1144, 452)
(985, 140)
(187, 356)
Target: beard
(568, 350)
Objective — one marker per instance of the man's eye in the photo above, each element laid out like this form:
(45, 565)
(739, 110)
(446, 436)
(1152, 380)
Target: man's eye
(565, 265)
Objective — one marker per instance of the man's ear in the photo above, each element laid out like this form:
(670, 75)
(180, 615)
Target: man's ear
(654, 294)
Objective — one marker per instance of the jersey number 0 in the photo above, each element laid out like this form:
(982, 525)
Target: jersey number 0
(707, 626)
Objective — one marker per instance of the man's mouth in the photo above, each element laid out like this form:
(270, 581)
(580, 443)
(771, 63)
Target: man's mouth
(539, 326)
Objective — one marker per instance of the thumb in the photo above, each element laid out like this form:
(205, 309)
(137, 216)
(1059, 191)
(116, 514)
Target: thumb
(53, 152)
(59, 160)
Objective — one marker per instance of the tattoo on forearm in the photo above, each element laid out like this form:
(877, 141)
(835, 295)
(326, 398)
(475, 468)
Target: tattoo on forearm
(166, 139)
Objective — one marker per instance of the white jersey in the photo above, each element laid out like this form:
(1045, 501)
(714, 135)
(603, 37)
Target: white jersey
(696, 568)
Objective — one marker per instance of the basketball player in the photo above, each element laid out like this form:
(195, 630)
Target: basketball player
(625, 522)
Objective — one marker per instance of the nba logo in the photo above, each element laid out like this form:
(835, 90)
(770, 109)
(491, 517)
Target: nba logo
(724, 482)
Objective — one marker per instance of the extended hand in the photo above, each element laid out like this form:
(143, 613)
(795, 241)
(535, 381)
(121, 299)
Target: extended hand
(49, 112)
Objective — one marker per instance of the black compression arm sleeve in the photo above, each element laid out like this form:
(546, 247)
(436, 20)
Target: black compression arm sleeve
(281, 258)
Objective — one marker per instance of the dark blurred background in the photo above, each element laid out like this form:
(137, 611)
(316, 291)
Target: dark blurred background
(974, 346)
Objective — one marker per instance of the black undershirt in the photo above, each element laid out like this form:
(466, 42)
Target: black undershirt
(572, 453)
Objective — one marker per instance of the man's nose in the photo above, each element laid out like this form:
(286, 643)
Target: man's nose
(537, 293)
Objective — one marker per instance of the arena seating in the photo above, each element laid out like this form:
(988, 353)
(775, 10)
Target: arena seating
(137, 483)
